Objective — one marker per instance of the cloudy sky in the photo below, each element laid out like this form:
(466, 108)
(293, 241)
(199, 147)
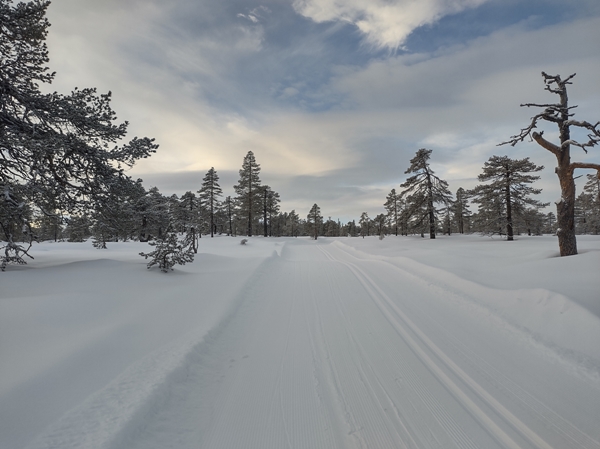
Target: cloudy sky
(334, 97)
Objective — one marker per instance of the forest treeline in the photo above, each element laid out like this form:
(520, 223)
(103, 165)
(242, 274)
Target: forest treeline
(502, 204)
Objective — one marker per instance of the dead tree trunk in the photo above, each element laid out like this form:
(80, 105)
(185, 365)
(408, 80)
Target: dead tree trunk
(560, 114)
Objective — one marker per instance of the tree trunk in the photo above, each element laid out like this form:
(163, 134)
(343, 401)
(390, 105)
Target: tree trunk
(430, 207)
(265, 229)
(212, 215)
(565, 212)
(509, 222)
(250, 212)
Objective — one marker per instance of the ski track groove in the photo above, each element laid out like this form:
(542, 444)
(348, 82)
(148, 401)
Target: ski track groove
(562, 426)
(453, 430)
(335, 381)
(551, 419)
(364, 378)
(385, 303)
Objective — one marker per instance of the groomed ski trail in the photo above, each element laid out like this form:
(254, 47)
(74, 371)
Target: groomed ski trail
(326, 350)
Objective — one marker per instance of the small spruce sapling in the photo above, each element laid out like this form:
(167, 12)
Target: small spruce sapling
(169, 251)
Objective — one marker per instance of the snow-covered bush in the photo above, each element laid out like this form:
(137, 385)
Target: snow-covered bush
(170, 251)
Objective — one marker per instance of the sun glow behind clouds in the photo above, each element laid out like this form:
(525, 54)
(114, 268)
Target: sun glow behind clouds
(385, 24)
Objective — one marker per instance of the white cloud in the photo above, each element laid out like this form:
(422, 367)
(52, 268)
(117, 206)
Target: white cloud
(385, 23)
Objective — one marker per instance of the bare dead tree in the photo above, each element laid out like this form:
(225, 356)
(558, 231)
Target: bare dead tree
(560, 113)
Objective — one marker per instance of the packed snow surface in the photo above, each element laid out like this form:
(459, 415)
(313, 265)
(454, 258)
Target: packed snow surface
(458, 342)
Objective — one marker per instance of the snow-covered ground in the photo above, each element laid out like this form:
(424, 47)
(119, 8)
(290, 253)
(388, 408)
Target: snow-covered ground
(460, 342)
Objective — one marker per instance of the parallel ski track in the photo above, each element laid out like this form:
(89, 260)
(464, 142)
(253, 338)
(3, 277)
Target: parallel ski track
(400, 321)
(374, 427)
(551, 419)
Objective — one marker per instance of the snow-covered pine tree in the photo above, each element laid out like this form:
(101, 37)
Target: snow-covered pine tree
(447, 227)
(154, 215)
(186, 216)
(531, 220)
(330, 228)
(392, 206)
(508, 192)
(169, 251)
(137, 201)
(592, 188)
(379, 222)
(587, 207)
(113, 212)
(78, 228)
(460, 211)
(423, 190)
(249, 197)
(365, 224)
(209, 195)
(53, 147)
(314, 219)
(490, 216)
(352, 228)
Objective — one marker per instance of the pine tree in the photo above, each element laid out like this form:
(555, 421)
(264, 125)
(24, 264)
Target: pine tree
(549, 226)
(460, 210)
(392, 206)
(188, 216)
(54, 148)
(270, 207)
(294, 223)
(153, 210)
(78, 228)
(113, 212)
(365, 224)
(379, 222)
(587, 207)
(331, 228)
(248, 190)
(313, 220)
(423, 190)
(507, 193)
(229, 210)
(209, 195)
(352, 231)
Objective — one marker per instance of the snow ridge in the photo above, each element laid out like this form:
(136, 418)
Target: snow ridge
(116, 414)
